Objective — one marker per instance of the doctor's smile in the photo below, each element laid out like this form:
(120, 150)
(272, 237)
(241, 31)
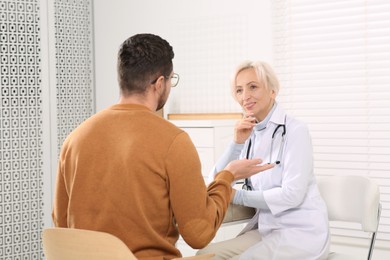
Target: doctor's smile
(249, 106)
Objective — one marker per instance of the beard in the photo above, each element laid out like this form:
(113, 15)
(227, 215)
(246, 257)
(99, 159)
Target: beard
(162, 99)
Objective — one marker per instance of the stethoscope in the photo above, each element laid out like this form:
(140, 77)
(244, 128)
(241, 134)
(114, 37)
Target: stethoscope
(247, 185)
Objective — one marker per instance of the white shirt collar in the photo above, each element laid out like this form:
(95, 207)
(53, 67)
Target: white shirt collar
(276, 116)
(263, 124)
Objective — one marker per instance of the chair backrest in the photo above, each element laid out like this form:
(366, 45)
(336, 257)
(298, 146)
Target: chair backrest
(78, 244)
(81, 244)
(351, 199)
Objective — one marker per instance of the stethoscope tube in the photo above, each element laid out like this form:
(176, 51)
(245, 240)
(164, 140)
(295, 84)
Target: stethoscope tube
(281, 145)
(246, 185)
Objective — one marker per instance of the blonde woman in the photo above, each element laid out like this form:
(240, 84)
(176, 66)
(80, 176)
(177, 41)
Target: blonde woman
(291, 217)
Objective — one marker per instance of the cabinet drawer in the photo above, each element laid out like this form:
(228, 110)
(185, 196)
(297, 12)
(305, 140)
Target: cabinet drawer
(201, 136)
(206, 156)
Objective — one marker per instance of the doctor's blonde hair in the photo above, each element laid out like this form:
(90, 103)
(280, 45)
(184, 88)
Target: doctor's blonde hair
(265, 74)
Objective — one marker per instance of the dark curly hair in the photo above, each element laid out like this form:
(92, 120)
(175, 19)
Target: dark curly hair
(141, 59)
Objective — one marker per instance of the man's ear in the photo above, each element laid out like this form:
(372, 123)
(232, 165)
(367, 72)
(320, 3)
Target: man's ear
(159, 85)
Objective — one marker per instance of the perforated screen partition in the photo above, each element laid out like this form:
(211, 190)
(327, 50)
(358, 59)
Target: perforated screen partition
(21, 135)
(21, 138)
(74, 64)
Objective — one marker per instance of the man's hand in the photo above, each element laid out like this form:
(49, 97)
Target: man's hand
(245, 168)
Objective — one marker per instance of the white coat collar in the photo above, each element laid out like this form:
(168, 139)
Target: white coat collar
(278, 117)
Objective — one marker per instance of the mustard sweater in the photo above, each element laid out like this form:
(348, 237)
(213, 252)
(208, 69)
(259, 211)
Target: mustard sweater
(131, 173)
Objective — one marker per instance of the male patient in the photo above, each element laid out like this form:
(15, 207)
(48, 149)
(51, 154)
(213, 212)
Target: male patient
(131, 173)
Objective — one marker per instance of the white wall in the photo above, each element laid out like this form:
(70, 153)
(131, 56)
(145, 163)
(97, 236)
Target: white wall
(209, 39)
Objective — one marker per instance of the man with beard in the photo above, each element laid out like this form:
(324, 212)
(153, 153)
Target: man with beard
(131, 173)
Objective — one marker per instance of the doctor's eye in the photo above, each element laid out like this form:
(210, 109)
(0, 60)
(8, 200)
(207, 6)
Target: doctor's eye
(238, 91)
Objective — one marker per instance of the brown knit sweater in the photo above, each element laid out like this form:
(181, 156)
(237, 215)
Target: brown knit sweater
(131, 173)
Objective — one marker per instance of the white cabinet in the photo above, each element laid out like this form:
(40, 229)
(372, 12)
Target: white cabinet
(211, 138)
(203, 139)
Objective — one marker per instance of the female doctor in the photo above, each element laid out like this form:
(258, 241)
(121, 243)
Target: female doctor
(291, 220)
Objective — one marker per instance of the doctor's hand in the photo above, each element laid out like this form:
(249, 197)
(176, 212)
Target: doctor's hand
(245, 168)
(243, 128)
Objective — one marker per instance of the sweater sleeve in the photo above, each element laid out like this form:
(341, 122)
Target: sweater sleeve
(253, 198)
(198, 210)
(60, 203)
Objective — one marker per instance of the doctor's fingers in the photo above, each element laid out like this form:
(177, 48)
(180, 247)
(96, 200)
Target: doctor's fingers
(250, 120)
(242, 132)
(240, 136)
(244, 125)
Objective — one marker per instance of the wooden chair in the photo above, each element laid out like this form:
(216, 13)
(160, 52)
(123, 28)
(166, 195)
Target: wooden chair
(79, 244)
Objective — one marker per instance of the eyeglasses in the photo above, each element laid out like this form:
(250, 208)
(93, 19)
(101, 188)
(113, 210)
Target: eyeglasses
(174, 80)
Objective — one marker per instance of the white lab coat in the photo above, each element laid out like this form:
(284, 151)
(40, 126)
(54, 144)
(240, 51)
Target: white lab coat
(296, 224)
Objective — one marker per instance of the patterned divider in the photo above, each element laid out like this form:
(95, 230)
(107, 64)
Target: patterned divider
(21, 160)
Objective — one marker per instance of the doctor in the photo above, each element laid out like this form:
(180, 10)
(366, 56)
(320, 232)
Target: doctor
(291, 218)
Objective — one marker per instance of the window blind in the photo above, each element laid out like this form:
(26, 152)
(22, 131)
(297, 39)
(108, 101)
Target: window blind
(333, 61)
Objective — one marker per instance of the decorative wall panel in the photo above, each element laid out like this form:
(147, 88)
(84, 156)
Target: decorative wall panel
(20, 131)
(74, 64)
(21, 109)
